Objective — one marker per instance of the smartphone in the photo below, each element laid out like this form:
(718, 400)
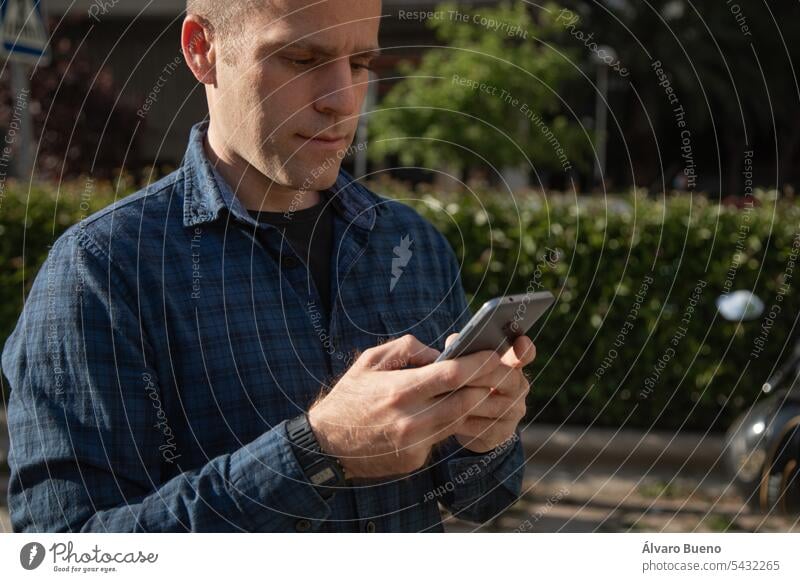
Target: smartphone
(498, 323)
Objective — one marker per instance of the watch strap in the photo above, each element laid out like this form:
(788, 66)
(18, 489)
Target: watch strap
(323, 471)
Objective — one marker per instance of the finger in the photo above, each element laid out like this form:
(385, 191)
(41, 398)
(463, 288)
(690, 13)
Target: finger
(510, 381)
(441, 377)
(521, 353)
(470, 401)
(398, 354)
(514, 385)
(450, 339)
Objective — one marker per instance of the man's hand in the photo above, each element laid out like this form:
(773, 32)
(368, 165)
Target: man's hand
(382, 420)
(506, 387)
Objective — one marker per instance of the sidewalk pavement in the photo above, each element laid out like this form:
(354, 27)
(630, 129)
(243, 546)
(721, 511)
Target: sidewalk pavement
(624, 449)
(604, 480)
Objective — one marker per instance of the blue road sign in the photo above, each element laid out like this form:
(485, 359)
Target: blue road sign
(24, 32)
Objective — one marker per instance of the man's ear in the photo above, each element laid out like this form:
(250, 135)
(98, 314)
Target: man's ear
(199, 49)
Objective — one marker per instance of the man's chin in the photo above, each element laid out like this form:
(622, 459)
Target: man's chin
(319, 177)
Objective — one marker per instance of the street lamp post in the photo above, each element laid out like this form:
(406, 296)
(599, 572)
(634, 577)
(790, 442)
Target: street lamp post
(601, 110)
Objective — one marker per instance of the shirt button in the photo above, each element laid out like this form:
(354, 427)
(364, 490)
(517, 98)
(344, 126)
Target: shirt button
(290, 262)
(371, 527)
(302, 525)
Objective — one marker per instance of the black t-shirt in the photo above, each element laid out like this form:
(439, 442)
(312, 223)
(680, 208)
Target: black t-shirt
(309, 233)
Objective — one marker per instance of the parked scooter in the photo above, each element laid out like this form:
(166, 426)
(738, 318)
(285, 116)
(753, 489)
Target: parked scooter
(763, 445)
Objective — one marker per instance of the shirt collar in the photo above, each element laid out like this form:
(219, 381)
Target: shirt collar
(206, 194)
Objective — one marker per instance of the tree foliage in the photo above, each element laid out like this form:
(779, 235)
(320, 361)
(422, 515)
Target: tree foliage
(490, 97)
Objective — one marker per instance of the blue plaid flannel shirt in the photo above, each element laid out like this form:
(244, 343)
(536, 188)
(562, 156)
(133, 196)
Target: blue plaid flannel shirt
(163, 347)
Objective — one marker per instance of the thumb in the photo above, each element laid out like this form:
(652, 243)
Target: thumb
(450, 339)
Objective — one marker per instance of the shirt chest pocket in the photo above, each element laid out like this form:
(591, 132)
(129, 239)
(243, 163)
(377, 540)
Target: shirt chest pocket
(429, 326)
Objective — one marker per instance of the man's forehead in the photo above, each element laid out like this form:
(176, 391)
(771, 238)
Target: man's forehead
(330, 26)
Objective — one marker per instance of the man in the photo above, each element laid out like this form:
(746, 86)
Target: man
(172, 343)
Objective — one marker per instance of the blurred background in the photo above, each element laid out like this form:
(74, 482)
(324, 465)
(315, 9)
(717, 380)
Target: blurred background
(638, 159)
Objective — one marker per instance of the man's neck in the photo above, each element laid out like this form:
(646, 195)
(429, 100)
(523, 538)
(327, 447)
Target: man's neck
(253, 189)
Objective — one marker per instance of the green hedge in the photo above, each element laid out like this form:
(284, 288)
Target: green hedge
(31, 219)
(608, 250)
(600, 349)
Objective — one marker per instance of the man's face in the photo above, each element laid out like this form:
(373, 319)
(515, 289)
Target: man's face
(295, 72)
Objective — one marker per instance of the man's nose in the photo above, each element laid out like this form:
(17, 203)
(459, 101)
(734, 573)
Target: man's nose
(336, 93)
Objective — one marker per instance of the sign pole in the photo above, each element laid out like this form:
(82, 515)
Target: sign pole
(24, 43)
(21, 89)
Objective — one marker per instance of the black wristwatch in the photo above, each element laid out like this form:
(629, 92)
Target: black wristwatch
(323, 471)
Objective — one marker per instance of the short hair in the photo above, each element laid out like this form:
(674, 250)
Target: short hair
(221, 16)
(223, 19)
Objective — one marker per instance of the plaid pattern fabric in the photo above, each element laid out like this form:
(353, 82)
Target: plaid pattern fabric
(163, 347)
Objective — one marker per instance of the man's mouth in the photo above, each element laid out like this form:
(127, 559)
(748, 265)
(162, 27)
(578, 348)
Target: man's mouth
(325, 141)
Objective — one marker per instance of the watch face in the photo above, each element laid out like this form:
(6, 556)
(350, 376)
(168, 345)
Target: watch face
(323, 476)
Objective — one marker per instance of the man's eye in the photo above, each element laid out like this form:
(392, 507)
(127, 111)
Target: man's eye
(360, 67)
(301, 62)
